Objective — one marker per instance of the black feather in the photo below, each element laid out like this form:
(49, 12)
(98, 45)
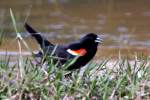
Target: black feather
(29, 28)
(41, 40)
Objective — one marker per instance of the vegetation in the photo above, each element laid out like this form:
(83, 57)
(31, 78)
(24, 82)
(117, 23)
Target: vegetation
(103, 81)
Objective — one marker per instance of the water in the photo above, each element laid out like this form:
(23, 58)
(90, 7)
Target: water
(123, 24)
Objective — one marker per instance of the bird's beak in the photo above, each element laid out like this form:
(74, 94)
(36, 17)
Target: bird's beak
(99, 40)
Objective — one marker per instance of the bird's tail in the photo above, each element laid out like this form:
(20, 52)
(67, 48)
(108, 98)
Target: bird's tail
(39, 38)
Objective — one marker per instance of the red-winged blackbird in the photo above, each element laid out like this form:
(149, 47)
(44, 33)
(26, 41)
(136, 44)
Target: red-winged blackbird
(84, 49)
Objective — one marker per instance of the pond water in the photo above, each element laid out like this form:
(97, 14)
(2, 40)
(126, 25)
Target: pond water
(123, 24)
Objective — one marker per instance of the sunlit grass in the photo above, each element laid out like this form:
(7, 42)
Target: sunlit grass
(1, 36)
(102, 81)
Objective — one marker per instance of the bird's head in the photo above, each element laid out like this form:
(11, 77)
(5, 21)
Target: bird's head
(91, 39)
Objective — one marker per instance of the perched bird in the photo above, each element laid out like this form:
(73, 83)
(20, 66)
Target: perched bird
(84, 49)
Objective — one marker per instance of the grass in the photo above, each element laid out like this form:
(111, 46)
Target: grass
(106, 79)
(1, 36)
(125, 80)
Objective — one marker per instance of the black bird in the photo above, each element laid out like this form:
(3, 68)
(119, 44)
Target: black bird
(84, 49)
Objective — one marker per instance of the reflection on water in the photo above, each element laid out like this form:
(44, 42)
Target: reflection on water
(123, 24)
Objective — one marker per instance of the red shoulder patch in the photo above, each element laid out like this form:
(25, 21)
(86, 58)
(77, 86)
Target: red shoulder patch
(80, 52)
